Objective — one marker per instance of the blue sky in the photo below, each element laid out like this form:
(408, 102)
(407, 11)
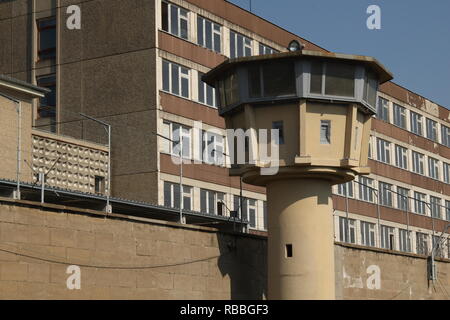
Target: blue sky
(413, 43)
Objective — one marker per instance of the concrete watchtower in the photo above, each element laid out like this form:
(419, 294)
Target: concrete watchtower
(322, 104)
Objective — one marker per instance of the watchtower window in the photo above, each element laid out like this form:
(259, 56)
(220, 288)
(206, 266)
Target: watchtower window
(289, 250)
(325, 131)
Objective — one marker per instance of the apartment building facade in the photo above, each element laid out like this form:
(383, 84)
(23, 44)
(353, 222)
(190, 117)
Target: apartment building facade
(138, 64)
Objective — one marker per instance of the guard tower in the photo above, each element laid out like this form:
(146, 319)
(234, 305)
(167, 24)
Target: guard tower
(322, 104)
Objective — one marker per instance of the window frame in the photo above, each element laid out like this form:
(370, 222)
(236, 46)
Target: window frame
(383, 151)
(418, 159)
(180, 17)
(383, 109)
(366, 189)
(203, 87)
(404, 236)
(346, 189)
(173, 126)
(445, 135)
(420, 203)
(432, 129)
(216, 195)
(387, 233)
(39, 30)
(385, 194)
(401, 157)
(399, 114)
(416, 120)
(422, 243)
(176, 204)
(214, 32)
(182, 70)
(266, 48)
(435, 207)
(344, 224)
(403, 199)
(433, 168)
(204, 148)
(369, 238)
(247, 43)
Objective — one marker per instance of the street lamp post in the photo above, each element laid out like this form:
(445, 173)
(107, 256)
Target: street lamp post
(107, 127)
(181, 170)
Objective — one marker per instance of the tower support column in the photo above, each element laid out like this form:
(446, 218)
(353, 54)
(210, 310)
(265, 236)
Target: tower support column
(300, 242)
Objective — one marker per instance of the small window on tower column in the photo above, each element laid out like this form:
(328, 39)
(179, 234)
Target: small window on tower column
(289, 251)
(325, 131)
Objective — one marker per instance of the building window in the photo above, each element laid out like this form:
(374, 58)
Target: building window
(240, 46)
(325, 132)
(271, 80)
(46, 112)
(399, 116)
(209, 34)
(418, 162)
(387, 238)
(445, 133)
(446, 172)
(365, 189)
(383, 151)
(370, 88)
(172, 196)
(416, 123)
(209, 200)
(206, 93)
(405, 240)
(438, 246)
(385, 194)
(447, 210)
(422, 243)
(46, 38)
(339, 79)
(278, 125)
(368, 234)
(251, 213)
(401, 157)
(174, 20)
(175, 79)
(432, 130)
(212, 148)
(263, 49)
(419, 202)
(99, 184)
(248, 209)
(173, 147)
(346, 189)
(403, 199)
(229, 90)
(435, 207)
(383, 109)
(433, 168)
(347, 230)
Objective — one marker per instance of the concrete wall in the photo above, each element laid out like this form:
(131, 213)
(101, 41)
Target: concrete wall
(8, 139)
(202, 264)
(364, 273)
(93, 240)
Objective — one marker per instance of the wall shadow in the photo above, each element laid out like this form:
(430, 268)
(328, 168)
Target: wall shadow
(244, 259)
